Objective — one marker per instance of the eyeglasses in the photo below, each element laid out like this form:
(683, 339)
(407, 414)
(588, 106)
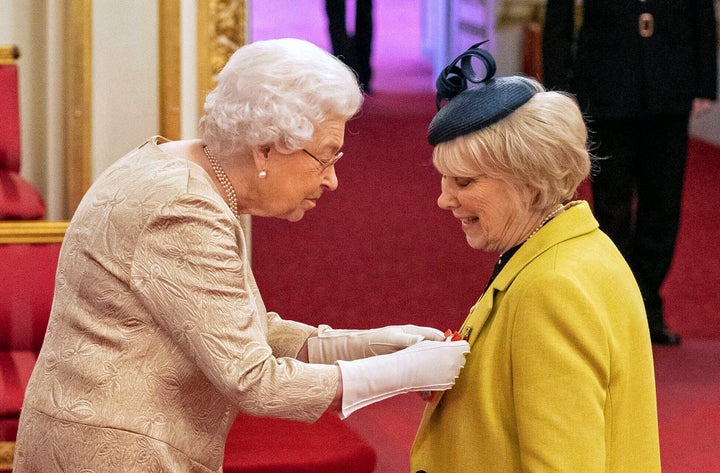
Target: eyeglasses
(324, 164)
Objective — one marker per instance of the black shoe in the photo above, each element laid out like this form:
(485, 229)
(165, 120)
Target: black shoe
(664, 336)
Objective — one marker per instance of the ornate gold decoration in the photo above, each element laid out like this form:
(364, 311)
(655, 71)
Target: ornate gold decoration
(77, 91)
(520, 12)
(169, 69)
(9, 54)
(7, 452)
(38, 231)
(221, 31)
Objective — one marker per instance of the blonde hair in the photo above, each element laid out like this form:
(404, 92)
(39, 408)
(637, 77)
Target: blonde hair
(541, 146)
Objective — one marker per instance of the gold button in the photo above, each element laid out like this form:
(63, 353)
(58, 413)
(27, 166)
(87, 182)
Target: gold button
(646, 25)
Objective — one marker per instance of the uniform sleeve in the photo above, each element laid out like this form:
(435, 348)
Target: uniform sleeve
(558, 37)
(189, 273)
(560, 364)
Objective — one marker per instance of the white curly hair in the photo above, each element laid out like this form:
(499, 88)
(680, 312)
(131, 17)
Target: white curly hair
(274, 93)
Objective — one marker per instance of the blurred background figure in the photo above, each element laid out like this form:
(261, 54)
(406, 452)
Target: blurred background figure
(353, 49)
(639, 69)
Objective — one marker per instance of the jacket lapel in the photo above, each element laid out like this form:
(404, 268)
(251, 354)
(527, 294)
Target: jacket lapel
(570, 224)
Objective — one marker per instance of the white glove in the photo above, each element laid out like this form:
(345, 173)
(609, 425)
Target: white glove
(331, 345)
(425, 366)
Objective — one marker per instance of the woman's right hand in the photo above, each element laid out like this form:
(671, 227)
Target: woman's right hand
(424, 366)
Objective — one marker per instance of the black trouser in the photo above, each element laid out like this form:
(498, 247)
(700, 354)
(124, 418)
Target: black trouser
(637, 194)
(353, 50)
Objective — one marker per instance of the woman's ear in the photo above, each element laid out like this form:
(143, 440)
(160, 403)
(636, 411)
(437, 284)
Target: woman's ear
(261, 156)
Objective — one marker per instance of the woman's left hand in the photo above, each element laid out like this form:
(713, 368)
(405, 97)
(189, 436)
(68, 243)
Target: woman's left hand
(331, 345)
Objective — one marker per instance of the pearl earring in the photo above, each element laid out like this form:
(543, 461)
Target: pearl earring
(262, 174)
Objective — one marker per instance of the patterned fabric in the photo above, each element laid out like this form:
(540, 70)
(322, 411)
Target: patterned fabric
(158, 335)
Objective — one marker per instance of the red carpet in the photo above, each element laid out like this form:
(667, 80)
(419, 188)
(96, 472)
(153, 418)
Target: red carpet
(379, 251)
(688, 389)
(692, 299)
(264, 445)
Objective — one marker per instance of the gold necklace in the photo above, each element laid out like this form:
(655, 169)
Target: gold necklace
(224, 180)
(547, 218)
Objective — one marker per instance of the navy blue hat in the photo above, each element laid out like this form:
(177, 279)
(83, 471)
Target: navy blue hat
(471, 109)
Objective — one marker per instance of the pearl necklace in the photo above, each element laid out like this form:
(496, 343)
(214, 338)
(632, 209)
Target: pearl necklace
(547, 218)
(224, 180)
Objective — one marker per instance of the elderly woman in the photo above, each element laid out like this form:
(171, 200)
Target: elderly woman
(560, 373)
(158, 335)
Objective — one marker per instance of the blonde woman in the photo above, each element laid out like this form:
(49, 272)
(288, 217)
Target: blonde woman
(560, 373)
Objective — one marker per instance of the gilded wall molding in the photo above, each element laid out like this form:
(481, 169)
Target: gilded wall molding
(9, 54)
(221, 31)
(36, 231)
(7, 449)
(169, 91)
(521, 12)
(77, 98)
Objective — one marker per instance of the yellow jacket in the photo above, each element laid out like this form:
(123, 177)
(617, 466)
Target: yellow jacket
(560, 375)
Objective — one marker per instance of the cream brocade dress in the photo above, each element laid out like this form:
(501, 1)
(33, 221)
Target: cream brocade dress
(158, 335)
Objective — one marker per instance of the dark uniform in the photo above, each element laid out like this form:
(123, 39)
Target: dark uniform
(353, 49)
(636, 66)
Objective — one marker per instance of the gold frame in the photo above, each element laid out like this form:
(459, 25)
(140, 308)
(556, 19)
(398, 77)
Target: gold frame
(7, 451)
(169, 69)
(35, 231)
(221, 30)
(77, 96)
(9, 55)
